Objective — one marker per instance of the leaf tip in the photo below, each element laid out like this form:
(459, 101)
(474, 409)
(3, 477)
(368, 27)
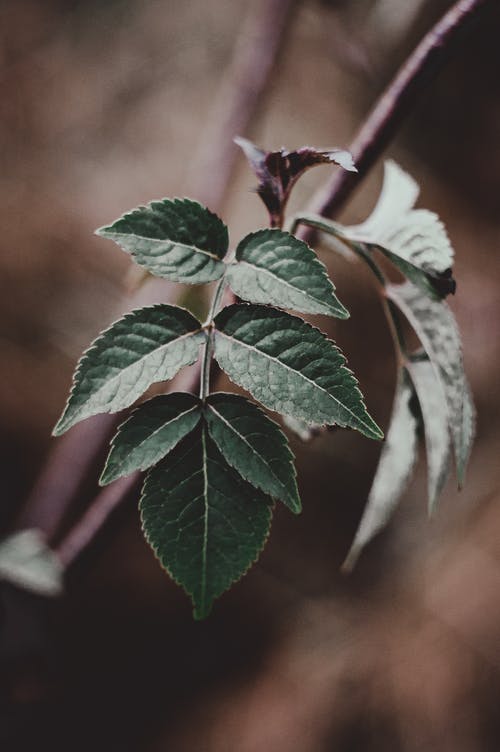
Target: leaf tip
(350, 560)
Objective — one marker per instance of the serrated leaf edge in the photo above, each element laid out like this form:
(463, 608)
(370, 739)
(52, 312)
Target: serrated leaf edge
(296, 509)
(103, 480)
(340, 311)
(197, 613)
(61, 426)
(371, 432)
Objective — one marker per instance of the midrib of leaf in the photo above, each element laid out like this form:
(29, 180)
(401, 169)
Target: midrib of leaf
(205, 528)
(160, 428)
(298, 373)
(306, 293)
(158, 241)
(245, 440)
(122, 372)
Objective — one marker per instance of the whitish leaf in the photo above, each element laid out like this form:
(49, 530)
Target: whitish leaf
(174, 238)
(145, 346)
(275, 267)
(204, 522)
(290, 367)
(394, 470)
(27, 561)
(254, 445)
(436, 328)
(437, 435)
(150, 433)
(415, 240)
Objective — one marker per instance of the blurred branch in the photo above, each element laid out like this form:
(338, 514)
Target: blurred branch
(390, 109)
(74, 456)
(382, 122)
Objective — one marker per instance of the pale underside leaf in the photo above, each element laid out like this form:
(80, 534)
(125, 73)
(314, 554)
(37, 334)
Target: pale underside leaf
(290, 366)
(436, 328)
(397, 198)
(415, 240)
(204, 522)
(254, 445)
(435, 418)
(145, 346)
(394, 470)
(150, 433)
(178, 239)
(275, 267)
(28, 562)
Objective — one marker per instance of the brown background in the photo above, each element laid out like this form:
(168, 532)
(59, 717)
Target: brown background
(102, 107)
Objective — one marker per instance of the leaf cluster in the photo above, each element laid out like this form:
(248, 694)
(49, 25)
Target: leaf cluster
(216, 463)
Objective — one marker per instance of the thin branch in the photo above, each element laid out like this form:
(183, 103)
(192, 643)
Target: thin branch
(394, 104)
(381, 124)
(76, 454)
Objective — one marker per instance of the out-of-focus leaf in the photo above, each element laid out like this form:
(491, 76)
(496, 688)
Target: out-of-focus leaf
(205, 523)
(277, 171)
(290, 366)
(145, 346)
(174, 238)
(436, 328)
(275, 267)
(435, 418)
(28, 562)
(394, 470)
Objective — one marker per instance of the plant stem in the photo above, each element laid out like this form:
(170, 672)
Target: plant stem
(388, 112)
(390, 311)
(208, 350)
(394, 104)
(76, 454)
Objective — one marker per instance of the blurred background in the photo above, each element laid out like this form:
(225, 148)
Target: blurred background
(107, 104)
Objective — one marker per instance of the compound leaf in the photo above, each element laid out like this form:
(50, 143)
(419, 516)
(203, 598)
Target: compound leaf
(254, 445)
(174, 238)
(275, 267)
(436, 328)
(150, 433)
(147, 345)
(435, 418)
(290, 366)
(204, 522)
(415, 240)
(397, 459)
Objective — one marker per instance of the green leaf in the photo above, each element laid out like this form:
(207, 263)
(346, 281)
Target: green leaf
(435, 418)
(254, 445)
(145, 346)
(436, 328)
(394, 470)
(174, 238)
(290, 367)
(275, 267)
(415, 240)
(150, 433)
(204, 522)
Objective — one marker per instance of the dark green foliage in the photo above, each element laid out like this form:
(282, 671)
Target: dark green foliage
(205, 523)
(216, 463)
